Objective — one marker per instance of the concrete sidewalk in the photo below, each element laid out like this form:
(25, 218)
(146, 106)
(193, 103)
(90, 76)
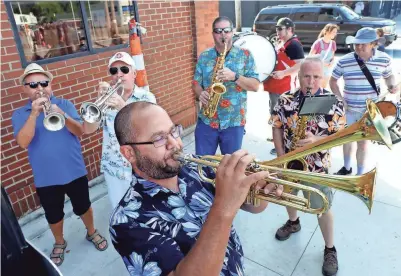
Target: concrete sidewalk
(366, 244)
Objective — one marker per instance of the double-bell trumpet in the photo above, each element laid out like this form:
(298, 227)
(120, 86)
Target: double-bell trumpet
(93, 112)
(370, 127)
(53, 120)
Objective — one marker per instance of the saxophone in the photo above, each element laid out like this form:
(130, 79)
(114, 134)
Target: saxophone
(217, 88)
(299, 134)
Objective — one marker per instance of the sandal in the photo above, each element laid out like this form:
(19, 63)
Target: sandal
(97, 243)
(58, 255)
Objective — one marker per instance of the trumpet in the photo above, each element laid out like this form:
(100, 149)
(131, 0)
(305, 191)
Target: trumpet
(93, 112)
(370, 127)
(53, 120)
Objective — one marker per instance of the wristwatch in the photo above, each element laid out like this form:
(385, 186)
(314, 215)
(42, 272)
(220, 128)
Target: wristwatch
(236, 77)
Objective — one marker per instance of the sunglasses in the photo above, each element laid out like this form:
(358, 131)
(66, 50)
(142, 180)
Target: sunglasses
(34, 85)
(280, 28)
(220, 30)
(123, 69)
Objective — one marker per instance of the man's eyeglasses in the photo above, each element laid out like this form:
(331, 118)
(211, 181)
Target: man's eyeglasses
(280, 28)
(220, 30)
(161, 140)
(34, 85)
(123, 69)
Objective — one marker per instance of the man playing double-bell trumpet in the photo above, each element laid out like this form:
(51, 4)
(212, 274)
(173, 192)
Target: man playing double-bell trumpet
(55, 156)
(117, 170)
(286, 123)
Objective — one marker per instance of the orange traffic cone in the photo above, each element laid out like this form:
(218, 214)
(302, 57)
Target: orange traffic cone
(137, 55)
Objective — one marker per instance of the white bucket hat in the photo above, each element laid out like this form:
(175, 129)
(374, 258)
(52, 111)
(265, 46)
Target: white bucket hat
(364, 36)
(32, 69)
(124, 57)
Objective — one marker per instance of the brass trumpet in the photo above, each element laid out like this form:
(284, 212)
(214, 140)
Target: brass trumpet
(93, 112)
(370, 127)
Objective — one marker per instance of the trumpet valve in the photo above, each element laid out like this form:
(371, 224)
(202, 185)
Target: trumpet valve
(251, 198)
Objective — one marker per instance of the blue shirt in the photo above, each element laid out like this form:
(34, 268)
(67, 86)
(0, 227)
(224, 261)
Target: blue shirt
(231, 111)
(154, 228)
(55, 156)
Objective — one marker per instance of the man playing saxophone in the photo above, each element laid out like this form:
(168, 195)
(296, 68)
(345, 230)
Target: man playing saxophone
(236, 72)
(117, 170)
(293, 131)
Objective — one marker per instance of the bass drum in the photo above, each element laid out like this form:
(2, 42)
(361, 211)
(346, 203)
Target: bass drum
(262, 51)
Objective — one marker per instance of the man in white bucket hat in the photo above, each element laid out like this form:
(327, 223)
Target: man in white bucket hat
(362, 71)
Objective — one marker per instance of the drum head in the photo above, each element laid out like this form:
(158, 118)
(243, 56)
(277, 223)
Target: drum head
(262, 51)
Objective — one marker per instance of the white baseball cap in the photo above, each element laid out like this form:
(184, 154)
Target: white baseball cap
(124, 57)
(32, 69)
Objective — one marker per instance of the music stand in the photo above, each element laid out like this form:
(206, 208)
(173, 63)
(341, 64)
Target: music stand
(316, 105)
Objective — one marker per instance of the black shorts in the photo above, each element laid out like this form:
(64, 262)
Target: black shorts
(52, 199)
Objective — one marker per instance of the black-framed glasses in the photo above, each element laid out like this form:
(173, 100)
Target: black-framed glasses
(161, 139)
(226, 30)
(279, 28)
(123, 69)
(34, 85)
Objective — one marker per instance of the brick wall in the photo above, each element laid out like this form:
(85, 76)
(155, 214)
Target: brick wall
(176, 33)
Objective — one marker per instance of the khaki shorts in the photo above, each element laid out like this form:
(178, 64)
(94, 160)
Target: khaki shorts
(316, 201)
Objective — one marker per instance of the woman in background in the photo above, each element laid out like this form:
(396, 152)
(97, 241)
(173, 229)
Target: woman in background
(326, 46)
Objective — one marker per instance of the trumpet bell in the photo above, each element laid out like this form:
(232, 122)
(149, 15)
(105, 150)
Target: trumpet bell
(54, 121)
(379, 123)
(91, 113)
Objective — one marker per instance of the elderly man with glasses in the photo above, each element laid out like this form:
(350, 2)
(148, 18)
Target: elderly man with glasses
(226, 127)
(117, 170)
(55, 156)
(170, 221)
(289, 57)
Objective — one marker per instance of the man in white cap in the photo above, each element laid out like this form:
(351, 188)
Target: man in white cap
(362, 71)
(55, 156)
(117, 170)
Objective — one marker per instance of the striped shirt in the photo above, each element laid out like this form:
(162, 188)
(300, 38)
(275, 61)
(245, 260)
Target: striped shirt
(357, 88)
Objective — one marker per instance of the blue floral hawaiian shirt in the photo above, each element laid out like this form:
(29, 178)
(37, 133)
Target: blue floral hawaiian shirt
(231, 111)
(153, 228)
(112, 161)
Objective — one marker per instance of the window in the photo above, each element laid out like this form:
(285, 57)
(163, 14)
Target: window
(306, 14)
(329, 15)
(274, 14)
(51, 31)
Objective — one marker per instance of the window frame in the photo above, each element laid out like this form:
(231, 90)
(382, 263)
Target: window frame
(91, 50)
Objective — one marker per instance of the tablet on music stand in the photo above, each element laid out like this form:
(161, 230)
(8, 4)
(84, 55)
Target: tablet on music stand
(317, 105)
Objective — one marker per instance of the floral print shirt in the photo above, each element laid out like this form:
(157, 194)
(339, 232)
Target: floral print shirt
(154, 228)
(285, 116)
(113, 162)
(231, 111)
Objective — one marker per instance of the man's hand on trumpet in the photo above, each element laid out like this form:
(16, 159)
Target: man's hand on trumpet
(115, 101)
(37, 106)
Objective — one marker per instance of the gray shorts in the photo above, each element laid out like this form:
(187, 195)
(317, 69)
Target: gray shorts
(273, 101)
(315, 200)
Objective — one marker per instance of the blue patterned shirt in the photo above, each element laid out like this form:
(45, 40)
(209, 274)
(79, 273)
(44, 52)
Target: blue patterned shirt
(154, 228)
(231, 111)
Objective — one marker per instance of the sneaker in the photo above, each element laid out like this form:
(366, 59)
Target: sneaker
(273, 152)
(285, 231)
(330, 263)
(344, 171)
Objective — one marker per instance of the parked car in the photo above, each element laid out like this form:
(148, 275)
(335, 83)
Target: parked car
(310, 19)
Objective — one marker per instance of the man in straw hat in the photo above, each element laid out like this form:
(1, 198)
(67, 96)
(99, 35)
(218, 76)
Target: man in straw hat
(117, 170)
(362, 71)
(55, 156)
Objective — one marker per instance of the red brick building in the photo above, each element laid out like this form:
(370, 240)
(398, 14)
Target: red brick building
(176, 34)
